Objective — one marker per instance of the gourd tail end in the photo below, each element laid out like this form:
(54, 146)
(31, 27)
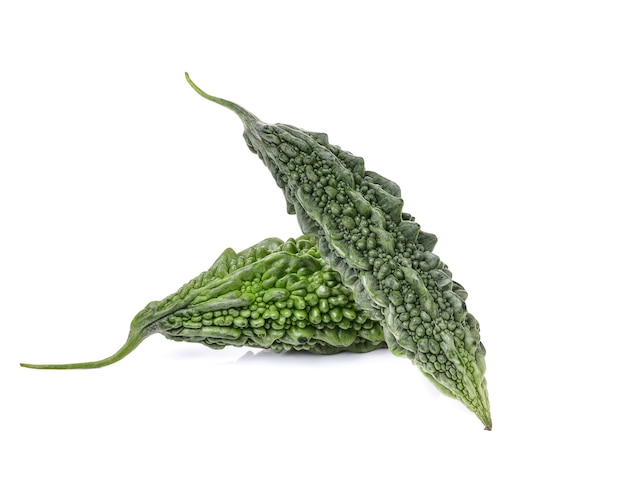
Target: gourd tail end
(484, 414)
(135, 337)
(246, 117)
(486, 420)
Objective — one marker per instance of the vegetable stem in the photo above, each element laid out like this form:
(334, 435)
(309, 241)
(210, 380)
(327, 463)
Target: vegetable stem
(246, 117)
(135, 337)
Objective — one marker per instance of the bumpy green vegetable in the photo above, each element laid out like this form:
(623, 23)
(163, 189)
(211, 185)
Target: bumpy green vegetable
(380, 252)
(274, 295)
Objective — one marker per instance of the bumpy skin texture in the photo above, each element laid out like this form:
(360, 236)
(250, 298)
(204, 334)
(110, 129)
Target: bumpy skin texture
(380, 253)
(274, 295)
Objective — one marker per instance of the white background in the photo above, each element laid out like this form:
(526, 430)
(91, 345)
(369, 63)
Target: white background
(503, 122)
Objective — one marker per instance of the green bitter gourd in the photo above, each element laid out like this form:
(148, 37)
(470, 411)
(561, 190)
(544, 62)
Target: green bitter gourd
(380, 252)
(274, 295)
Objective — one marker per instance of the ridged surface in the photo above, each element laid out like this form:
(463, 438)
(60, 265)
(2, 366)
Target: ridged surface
(274, 295)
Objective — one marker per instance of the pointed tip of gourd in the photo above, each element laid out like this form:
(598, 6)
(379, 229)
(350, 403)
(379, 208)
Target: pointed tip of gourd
(486, 420)
(246, 117)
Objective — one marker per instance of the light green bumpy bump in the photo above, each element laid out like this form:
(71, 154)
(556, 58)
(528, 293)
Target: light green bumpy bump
(379, 251)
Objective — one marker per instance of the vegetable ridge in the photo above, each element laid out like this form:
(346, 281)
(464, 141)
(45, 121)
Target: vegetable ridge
(274, 295)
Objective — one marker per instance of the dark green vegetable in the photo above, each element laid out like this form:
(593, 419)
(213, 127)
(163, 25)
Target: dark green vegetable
(380, 253)
(274, 295)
